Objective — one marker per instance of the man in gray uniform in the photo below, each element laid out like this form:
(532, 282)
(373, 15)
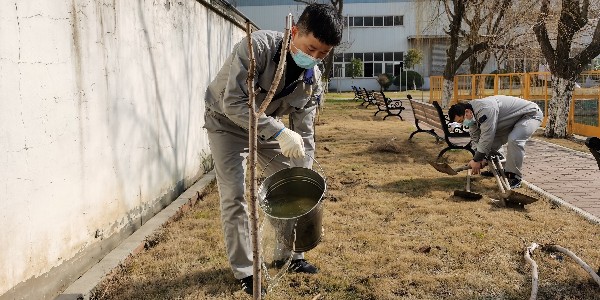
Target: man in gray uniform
(317, 31)
(497, 120)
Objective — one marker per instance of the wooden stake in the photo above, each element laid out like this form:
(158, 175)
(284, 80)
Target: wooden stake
(534, 270)
(252, 136)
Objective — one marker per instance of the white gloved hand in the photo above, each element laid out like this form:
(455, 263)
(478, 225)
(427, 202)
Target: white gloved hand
(291, 143)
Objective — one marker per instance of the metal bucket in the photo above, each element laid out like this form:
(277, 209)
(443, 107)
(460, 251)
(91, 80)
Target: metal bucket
(293, 198)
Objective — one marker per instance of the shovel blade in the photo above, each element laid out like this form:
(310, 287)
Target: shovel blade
(443, 167)
(517, 197)
(467, 195)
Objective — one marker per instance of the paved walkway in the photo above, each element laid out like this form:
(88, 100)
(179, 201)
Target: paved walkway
(567, 176)
(570, 175)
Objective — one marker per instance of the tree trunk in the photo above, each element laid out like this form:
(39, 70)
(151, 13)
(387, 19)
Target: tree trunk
(559, 107)
(447, 92)
(328, 70)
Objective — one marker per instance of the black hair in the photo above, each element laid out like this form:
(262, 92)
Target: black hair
(458, 109)
(323, 21)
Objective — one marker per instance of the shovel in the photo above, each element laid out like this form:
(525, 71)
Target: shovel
(447, 169)
(467, 194)
(510, 197)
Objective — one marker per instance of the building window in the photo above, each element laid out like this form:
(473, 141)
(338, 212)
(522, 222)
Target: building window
(358, 21)
(389, 68)
(374, 63)
(377, 69)
(388, 21)
(398, 20)
(368, 69)
(338, 57)
(338, 70)
(398, 56)
(348, 69)
(375, 21)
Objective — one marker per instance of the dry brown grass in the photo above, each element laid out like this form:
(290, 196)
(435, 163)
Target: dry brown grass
(392, 231)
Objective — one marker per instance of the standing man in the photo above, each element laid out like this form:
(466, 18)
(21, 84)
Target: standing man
(317, 31)
(495, 121)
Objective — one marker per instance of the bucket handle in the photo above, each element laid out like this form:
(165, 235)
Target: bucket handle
(320, 167)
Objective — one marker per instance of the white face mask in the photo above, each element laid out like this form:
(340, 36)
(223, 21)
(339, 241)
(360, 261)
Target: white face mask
(304, 60)
(468, 122)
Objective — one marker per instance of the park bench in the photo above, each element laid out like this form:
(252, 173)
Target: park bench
(391, 107)
(433, 116)
(357, 94)
(367, 97)
(593, 143)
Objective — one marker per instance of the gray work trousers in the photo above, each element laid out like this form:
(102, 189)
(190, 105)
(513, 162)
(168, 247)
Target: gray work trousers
(515, 138)
(229, 152)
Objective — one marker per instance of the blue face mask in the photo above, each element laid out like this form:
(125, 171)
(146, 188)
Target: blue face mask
(468, 122)
(304, 60)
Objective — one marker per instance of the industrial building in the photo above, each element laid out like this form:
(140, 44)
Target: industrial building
(378, 32)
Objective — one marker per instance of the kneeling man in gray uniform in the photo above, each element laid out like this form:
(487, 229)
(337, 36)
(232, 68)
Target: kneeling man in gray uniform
(317, 31)
(497, 120)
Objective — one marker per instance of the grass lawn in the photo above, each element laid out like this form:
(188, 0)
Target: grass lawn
(392, 230)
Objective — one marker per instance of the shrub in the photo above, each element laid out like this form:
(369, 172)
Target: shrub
(385, 80)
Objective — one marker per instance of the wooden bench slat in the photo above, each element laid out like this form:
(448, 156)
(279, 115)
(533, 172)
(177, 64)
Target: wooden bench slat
(391, 107)
(433, 116)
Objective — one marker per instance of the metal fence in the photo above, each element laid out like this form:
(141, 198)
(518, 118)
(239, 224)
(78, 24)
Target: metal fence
(584, 117)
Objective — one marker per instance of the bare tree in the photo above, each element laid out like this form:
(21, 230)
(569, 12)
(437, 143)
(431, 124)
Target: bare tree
(456, 10)
(564, 65)
(484, 19)
(490, 28)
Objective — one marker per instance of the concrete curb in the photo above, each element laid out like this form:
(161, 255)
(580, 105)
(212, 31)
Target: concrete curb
(561, 202)
(82, 288)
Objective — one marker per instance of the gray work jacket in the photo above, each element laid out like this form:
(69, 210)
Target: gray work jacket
(227, 94)
(496, 114)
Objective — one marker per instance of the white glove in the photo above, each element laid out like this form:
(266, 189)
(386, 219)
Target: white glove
(291, 143)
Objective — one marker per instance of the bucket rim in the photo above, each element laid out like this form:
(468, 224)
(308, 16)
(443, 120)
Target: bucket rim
(319, 202)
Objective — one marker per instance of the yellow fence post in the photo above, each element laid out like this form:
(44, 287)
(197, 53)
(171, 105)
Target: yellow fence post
(496, 84)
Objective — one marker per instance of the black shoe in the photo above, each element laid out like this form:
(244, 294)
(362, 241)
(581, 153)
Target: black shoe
(514, 180)
(514, 183)
(487, 174)
(248, 286)
(298, 266)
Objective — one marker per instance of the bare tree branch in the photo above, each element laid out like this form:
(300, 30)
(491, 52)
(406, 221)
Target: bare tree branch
(541, 33)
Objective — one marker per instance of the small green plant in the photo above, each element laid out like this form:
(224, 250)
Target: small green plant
(412, 58)
(356, 68)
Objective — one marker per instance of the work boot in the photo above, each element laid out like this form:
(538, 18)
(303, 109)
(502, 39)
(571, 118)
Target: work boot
(298, 266)
(248, 285)
(514, 180)
(487, 174)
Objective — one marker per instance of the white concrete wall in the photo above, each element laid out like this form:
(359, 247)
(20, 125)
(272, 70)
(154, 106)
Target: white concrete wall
(101, 116)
